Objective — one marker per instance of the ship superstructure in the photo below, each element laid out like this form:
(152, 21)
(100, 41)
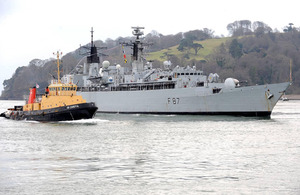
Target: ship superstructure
(180, 90)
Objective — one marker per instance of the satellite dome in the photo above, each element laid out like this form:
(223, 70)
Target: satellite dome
(105, 64)
(118, 66)
(166, 63)
(231, 83)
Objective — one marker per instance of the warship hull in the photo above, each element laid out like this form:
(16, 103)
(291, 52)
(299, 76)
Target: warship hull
(169, 89)
(65, 113)
(256, 100)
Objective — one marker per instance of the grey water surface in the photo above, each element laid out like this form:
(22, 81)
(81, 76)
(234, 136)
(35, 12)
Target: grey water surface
(153, 154)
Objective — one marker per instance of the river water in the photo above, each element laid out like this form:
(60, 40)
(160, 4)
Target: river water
(153, 154)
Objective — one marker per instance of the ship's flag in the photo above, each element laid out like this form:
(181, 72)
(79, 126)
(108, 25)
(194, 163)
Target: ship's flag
(37, 85)
(125, 60)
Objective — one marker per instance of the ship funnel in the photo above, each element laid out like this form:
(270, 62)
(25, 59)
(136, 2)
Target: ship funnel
(32, 95)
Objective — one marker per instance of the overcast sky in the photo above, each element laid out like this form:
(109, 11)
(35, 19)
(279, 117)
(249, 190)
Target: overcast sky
(36, 28)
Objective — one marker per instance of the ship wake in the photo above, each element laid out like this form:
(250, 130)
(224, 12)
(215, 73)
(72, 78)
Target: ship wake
(93, 121)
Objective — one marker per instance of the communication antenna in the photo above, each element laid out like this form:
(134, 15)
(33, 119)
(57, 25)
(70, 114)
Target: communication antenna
(91, 51)
(92, 42)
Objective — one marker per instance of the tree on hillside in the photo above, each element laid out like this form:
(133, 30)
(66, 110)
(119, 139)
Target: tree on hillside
(166, 55)
(208, 32)
(185, 44)
(236, 49)
(162, 42)
(220, 55)
(170, 40)
(199, 35)
(240, 28)
(155, 33)
(290, 28)
(196, 47)
(150, 38)
(260, 28)
(191, 35)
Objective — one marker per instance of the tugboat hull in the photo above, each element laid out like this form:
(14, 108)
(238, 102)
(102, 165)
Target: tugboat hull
(64, 113)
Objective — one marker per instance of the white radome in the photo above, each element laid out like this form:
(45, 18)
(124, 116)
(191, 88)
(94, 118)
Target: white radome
(231, 83)
(105, 64)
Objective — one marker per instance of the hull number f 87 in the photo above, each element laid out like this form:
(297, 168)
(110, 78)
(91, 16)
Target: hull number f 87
(173, 100)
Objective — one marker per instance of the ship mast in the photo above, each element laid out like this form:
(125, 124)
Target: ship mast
(58, 72)
(137, 46)
(92, 42)
(93, 58)
(91, 52)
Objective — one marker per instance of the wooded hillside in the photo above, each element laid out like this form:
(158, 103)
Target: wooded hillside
(254, 53)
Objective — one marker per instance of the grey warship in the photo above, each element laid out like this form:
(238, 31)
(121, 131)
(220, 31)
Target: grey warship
(179, 90)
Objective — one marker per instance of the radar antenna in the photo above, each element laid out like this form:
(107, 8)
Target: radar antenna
(137, 31)
(138, 45)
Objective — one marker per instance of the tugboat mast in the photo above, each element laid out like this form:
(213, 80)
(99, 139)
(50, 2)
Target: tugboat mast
(58, 71)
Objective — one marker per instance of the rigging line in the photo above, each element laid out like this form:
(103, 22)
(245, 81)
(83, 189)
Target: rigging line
(80, 61)
(112, 48)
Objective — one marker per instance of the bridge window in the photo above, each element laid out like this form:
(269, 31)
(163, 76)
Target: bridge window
(216, 90)
(200, 84)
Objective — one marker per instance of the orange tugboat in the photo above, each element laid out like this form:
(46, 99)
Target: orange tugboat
(59, 103)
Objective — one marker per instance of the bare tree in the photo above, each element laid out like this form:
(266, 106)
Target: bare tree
(240, 28)
(260, 28)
